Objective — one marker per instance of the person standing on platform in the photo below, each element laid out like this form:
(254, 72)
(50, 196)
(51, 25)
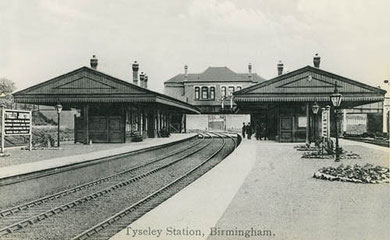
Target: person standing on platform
(243, 130)
(257, 131)
(249, 130)
(262, 131)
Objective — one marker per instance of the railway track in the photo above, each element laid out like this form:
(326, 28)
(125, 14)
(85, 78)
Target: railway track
(113, 224)
(24, 206)
(16, 219)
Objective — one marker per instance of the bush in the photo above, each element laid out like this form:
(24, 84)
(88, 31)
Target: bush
(164, 133)
(136, 137)
(46, 136)
(43, 138)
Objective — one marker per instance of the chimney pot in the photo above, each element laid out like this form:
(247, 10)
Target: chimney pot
(135, 67)
(94, 62)
(185, 72)
(146, 81)
(317, 61)
(280, 68)
(250, 71)
(141, 79)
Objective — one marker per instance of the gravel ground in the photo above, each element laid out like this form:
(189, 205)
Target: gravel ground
(18, 156)
(58, 226)
(280, 195)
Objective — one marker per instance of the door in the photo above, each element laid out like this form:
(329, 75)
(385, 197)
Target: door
(115, 129)
(286, 128)
(151, 126)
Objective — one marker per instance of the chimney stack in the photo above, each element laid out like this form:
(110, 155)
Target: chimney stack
(280, 68)
(250, 71)
(146, 81)
(141, 79)
(135, 72)
(94, 62)
(317, 61)
(185, 72)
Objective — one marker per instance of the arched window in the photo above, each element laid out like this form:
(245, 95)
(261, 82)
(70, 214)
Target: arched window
(223, 91)
(212, 93)
(205, 91)
(230, 90)
(197, 93)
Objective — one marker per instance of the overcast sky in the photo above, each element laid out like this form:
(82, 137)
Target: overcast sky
(41, 39)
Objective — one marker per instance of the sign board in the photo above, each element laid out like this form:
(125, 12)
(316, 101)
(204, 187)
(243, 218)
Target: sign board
(325, 122)
(15, 122)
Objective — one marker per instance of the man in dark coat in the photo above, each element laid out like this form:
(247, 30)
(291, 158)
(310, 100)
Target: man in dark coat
(249, 130)
(257, 131)
(262, 131)
(243, 130)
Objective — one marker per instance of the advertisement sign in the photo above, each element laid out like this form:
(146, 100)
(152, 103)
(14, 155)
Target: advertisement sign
(325, 122)
(15, 122)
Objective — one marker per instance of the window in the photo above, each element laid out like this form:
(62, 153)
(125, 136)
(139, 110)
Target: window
(223, 91)
(230, 90)
(205, 92)
(238, 88)
(212, 93)
(197, 93)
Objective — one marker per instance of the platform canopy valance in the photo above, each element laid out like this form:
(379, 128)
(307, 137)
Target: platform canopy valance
(309, 84)
(87, 85)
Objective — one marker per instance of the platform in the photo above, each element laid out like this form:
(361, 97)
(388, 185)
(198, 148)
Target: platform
(267, 187)
(78, 153)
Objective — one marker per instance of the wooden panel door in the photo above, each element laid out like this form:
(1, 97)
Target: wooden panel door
(115, 129)
(286, 128)
(98, 129)
(151, 126)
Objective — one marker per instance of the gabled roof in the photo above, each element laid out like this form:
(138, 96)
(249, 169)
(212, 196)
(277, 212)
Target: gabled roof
(87, 85)
(308, 84)
(216, 74)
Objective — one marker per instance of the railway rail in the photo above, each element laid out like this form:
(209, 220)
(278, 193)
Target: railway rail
(19, 217)
(24, 206)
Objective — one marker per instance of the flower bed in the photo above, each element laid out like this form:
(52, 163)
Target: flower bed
(325, 155)
(356, 174)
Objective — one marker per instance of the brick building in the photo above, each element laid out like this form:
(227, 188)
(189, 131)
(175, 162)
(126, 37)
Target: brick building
(212, 92)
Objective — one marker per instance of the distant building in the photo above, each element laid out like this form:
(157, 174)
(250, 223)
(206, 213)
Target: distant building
(212, 92)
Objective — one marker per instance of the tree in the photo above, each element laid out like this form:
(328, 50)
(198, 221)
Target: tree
(6, 87)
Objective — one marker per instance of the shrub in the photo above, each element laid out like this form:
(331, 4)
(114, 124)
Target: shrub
(164, 133)
(136, 137)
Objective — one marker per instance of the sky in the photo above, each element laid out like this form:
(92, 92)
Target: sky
(42, 39)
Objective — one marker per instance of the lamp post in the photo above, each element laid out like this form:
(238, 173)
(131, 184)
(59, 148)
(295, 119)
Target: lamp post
(335, 98)
(315, 109)
(59, 109)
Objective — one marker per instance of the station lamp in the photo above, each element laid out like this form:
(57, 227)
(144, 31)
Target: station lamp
(59, 109)
(315, 107)
(335, 98)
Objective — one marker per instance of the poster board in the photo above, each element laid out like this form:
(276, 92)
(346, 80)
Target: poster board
(15, 122)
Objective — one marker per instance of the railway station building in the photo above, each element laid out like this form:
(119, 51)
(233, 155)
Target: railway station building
(212, 92)
(284, 104)
(108, 109)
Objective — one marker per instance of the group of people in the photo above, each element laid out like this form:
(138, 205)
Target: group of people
(260, 131)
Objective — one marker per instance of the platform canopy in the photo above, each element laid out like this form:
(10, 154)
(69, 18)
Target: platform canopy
(306, 85)
(87, 85)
